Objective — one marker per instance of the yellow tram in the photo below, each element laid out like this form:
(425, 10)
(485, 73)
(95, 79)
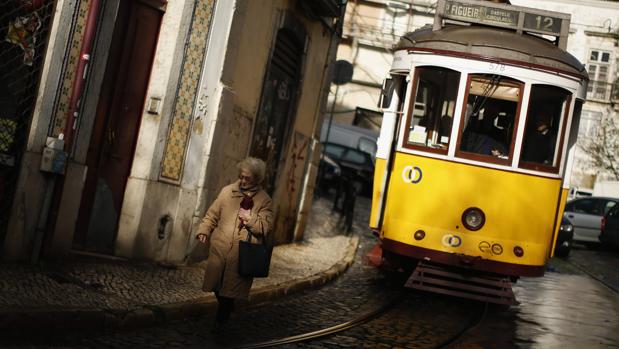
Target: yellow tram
(481, 115)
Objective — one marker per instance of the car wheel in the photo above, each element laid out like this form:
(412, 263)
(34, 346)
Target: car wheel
(357, 186)
(563, 252)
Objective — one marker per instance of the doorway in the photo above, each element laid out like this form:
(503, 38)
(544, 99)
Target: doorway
(278, 102)
(117, 122)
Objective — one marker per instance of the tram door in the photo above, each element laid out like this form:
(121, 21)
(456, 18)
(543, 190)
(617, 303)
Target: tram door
(110, 153)
(278, 103)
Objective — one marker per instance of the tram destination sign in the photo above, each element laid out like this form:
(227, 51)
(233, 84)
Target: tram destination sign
(506, 16)
(481, 14)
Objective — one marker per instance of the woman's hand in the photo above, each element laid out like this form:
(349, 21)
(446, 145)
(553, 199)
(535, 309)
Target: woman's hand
(244, 215)
(203, 238)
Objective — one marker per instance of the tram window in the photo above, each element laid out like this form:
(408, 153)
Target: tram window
(489, 118)
(432, 109)
(540, 146)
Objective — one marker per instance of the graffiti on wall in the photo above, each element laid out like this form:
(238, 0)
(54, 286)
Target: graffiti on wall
(294, 180)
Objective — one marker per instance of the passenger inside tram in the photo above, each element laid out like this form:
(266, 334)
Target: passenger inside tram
(542, 133)
(540, 138)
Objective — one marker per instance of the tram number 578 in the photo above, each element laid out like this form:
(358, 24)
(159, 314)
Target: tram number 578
(497, 67)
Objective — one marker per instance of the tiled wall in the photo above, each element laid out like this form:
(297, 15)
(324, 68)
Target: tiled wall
(71, 60)
(178, 136)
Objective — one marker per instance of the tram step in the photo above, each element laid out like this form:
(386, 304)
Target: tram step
(485, 288)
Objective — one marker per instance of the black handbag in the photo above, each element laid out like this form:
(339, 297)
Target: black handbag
(254, 259)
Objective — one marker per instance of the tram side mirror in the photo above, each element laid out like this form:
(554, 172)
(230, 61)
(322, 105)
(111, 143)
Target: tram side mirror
(386, 93)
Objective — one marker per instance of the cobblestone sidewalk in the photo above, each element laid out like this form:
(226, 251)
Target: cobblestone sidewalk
(83, 293)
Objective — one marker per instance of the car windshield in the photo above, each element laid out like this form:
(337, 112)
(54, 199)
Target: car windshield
(350, 155)
(334, 151)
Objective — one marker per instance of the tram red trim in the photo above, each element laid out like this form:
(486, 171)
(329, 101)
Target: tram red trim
(457, 260)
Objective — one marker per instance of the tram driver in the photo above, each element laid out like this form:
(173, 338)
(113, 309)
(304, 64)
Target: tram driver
(481, 132)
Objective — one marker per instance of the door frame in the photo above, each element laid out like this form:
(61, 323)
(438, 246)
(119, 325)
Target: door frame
(101, 122)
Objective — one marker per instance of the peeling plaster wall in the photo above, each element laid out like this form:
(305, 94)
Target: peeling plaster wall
(147, 200)
(32, 182)
(254, 29)
(158, 217)
(291, 179)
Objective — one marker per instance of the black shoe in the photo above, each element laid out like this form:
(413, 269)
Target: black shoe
(218, 327)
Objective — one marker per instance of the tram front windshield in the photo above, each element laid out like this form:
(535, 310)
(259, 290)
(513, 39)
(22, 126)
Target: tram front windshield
(489, 120)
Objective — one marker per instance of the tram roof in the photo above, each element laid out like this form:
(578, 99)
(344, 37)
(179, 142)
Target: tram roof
(492, 43)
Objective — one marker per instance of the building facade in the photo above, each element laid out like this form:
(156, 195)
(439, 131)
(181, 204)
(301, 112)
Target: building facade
(594, 40)
(141, 109)
(372, 27)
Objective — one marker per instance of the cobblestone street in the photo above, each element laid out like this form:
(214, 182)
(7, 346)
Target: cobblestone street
(422, 320)
(547, 317)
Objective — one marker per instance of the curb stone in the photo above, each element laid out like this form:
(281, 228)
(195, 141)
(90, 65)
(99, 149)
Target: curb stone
(270, 292)
(148, 315)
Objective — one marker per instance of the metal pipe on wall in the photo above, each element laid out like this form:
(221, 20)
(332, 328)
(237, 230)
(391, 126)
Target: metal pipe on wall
(55, 184)
(79, 82)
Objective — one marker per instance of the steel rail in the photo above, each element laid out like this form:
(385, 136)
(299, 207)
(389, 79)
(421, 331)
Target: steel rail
(593, 276)
(471, 325)
(369, 316)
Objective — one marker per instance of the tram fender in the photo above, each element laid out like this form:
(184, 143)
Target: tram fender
(375, 256)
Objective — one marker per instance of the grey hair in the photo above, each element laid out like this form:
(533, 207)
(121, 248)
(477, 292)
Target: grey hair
(256, 166)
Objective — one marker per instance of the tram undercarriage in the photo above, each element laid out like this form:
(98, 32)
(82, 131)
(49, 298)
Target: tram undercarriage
(426, 275)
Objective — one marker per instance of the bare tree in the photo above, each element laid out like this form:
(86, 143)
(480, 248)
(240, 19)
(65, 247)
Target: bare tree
(603, 149)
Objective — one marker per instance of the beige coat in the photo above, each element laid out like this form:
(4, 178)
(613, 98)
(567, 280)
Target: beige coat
(221, 225)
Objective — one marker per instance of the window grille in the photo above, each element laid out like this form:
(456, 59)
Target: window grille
(24, 31)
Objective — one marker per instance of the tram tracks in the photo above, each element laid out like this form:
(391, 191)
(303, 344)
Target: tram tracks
(475, 320)
(367, 317)
(594, 276)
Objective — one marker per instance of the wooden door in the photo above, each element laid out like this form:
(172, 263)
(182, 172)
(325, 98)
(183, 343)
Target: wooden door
(277, 104)
(111, 150)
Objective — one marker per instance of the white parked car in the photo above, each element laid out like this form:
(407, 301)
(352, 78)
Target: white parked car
(586, 216)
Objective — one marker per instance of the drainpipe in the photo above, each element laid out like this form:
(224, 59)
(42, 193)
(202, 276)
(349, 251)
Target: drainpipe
(80, 74)
(336, 35)
(55, 183)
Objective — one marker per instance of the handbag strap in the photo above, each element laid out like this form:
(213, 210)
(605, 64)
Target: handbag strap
(249, 235)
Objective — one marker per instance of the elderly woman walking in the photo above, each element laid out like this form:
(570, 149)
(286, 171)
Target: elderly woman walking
(228, 221)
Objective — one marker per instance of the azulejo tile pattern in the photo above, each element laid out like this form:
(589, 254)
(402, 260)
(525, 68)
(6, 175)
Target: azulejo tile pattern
(72, 58)
(176, 145)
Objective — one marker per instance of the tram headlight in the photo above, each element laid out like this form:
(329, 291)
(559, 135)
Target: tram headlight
(473, 218)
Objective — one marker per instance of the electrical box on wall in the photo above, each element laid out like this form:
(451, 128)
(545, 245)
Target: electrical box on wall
(153, 106)
(54, 158)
